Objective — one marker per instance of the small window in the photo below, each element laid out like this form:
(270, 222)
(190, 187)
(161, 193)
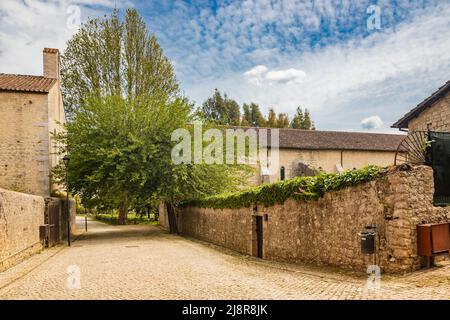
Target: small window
(429, 126)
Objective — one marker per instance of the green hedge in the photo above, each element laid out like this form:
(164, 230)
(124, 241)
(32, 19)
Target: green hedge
(132, 218)
(300, 189)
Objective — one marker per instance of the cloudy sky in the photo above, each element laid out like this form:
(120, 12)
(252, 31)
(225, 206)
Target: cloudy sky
(357, 65)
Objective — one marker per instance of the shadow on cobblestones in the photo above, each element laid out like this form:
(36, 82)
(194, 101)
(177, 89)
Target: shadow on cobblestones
(146, 262)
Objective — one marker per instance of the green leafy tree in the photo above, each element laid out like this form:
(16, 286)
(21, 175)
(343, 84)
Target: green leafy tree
(221, 110)
(282, 121)
(247, 116)
(307, 122)
(123, 100)
(120, 152)
(302, 120)
(297, 120)
(233, 111)
(256, 117)
(272, 119)
(112, 56)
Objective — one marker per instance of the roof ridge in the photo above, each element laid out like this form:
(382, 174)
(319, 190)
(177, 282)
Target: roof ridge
(23, 75)
(318, 131)
(419, 108)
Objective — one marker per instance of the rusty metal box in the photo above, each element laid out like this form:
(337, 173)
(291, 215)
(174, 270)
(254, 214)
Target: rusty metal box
(433, 238)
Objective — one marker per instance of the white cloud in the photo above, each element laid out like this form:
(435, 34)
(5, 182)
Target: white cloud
(373, 122)
(256, 72)
(261, 73)
(387, 72)
(288, 76)
(26, 27)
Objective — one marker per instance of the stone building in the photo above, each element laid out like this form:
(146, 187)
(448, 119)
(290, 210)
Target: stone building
(31, 108)
(330, 151)
(433, 113)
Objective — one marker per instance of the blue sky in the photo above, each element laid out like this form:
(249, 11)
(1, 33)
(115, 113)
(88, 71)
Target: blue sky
(318, 54)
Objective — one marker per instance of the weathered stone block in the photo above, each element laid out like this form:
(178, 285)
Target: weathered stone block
(326, 231)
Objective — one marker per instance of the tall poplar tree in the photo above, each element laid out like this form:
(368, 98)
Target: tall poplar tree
(113, 56)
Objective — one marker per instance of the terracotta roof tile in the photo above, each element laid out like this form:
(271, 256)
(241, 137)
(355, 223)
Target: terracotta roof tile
(16, 82)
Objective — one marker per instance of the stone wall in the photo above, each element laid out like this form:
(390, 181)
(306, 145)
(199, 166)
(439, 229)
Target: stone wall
(20, 217)
(328, 160)
(326, 231)
(224, 227)
(24, 143)
(27, 122)
(435, 118)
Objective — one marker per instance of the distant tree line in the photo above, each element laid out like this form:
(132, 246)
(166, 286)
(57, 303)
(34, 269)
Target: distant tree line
(222, 110)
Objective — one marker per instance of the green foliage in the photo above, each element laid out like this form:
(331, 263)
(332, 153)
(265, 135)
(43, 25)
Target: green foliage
(132, 218)
(300, 189)
(426, 144)
(221, 110)
(272, 119)
(307, 122)
(112, 56)
(246, 116)
(282, 121)
(123, 102)
(302, 120)
(256, 117)
(119, 148)
(120, 155)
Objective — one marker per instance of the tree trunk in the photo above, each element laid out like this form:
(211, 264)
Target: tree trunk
(123, 213)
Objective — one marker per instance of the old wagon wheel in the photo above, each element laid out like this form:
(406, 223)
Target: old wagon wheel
(412, 149)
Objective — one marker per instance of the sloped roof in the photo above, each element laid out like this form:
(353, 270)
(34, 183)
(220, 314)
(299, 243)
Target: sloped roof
(335, 140)
(26, 83)
(338, 140)
(435, 96)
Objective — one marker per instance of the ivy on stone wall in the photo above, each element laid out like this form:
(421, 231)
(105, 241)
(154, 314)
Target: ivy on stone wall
(299, 188)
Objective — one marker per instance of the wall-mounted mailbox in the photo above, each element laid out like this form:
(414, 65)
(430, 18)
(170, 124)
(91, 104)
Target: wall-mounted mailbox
(433, 239)
(367, 237)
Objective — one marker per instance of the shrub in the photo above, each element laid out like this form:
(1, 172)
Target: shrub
(299, 189)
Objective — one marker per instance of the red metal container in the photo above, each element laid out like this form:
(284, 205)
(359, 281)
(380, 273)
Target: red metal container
(433, 239)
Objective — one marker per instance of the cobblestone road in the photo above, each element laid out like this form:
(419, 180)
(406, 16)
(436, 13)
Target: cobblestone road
(145, 262)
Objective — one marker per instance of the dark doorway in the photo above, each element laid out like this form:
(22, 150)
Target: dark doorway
(258, 236)
(52, 218)
(438, 154)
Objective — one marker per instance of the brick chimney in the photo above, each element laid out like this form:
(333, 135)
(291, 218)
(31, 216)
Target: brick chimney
(51, 63)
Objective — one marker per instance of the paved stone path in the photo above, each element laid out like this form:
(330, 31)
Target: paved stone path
(145, 262)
